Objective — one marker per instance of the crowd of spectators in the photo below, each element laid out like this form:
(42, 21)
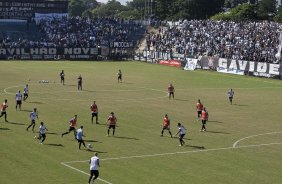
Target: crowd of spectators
(79, 32)
(85, 32)
(253, 41)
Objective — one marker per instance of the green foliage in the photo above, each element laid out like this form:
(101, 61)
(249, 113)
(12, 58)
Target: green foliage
(81, 7)
(267, 9)
(130, 14)
(188, 9)
(234, 3)
(76, 7)
(112, 9)
(241, 12)
(278, 17)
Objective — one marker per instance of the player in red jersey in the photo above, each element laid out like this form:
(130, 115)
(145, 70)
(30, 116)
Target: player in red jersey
(112, 121)
(205, 117)
(4, 106)
(72, 125)
(94, 111)
(166, 125)
(199, 108)
(170, 90)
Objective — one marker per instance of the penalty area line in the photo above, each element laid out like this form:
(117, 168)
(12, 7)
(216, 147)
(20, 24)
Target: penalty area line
(73, 168)
(182, 152)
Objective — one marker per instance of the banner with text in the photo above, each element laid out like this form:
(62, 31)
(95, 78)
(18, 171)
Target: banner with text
(50, 53)
(240, 67)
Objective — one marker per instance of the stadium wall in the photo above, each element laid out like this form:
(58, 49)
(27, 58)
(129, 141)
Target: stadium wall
(222, 65)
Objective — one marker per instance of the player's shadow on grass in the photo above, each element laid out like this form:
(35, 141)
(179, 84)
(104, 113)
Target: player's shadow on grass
(105, 124)
(195, 147)
(217, 132)
(24, 110)
(214, 121)
(177, 99)
(5, 129)
(92, 141)
(15, 123)
(96, 151)
(183, 138)
(70, 85)
(36, 103)
(123, 137)
(52, 133)
(127, 82)
(241, 105)
(90, 91)
(58, 145)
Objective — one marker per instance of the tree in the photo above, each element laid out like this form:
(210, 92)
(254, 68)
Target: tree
(81, 7)
(234, 3)
(278, 17)
(76, 7)
(267, 9)
(241, 12)
(112, 9)
(188, 9)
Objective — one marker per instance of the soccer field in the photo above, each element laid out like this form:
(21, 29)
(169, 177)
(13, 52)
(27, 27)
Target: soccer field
(243, 142)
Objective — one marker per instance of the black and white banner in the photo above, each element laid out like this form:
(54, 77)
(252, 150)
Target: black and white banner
(50, 53)
(240, 67)
(124, 44)
(191, 64)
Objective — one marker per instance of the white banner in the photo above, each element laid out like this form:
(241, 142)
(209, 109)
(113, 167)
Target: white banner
(191, 64)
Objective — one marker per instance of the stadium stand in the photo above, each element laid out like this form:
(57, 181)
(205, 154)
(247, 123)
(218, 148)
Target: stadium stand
(257, 41)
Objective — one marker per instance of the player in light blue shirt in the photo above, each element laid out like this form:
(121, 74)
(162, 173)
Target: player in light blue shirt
(79, 135)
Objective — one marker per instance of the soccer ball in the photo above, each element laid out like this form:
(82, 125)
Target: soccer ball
(89, 146)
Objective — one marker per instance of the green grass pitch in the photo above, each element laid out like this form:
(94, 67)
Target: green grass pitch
(137, 154)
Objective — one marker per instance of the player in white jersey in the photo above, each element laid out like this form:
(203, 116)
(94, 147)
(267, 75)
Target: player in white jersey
(42, 132)
(79, 135)
(181, 132)
(94, 167)
(25, 92)
(230, 95)
(19, 98)
(33, 115)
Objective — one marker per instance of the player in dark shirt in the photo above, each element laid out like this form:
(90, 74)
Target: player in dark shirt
(79, 82)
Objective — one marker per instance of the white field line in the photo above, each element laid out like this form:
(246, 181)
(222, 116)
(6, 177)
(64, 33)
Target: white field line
(5, 90)
(84, 172)
(251, 136)
(182, 152)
